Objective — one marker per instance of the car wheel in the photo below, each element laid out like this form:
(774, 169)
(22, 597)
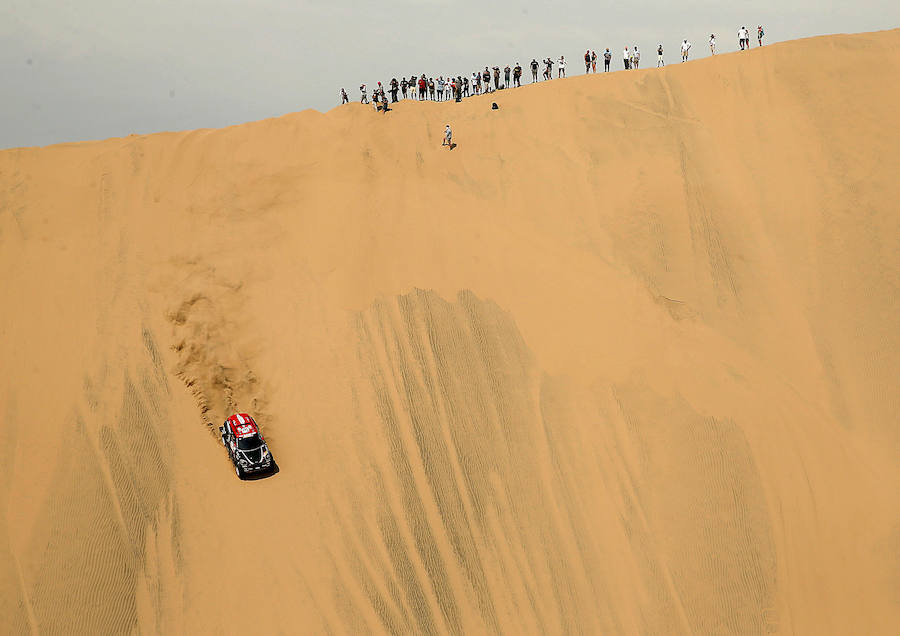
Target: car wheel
(238, 471)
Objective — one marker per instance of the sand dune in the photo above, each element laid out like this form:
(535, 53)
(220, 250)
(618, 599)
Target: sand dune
(624, 361)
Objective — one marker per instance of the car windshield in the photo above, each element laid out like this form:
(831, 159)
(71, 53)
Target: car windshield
(249, 443)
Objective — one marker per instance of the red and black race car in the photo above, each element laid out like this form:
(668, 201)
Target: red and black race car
(245, 444)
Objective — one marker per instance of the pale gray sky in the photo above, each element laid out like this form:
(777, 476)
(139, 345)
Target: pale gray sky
(94, 69)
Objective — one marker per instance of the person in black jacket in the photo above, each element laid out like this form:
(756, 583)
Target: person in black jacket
(395, 86)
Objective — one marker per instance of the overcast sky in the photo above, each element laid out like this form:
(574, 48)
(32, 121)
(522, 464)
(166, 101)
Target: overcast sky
(94, 69)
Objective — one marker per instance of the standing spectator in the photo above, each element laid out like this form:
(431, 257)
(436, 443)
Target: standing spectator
(395, 86)
(344, 98)
(742, 37)
(548, 72)
(626, 58)
(431, 88)
(517, 75)
(363, 99)
(659, 56)
(423, 88)
(403, 86)
(486, 79)
(759, 34)
(440, 88)
(448, 137)
(685, 47)
(594, 60)
(476, 83)
(607, 58)
(496, 78)
(636, 56)
(534, 69)
(465, 84)
(561, 66)
(712, 43)
(587, 62)
(506, 71)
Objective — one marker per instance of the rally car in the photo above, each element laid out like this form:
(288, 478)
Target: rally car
(245, 444)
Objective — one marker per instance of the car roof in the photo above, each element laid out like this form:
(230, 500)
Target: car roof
(242, 425)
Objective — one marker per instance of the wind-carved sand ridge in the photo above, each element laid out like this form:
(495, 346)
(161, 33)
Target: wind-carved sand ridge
(623, 362)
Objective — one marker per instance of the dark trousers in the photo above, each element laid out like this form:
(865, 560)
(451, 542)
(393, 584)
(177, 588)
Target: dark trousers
(605, 65)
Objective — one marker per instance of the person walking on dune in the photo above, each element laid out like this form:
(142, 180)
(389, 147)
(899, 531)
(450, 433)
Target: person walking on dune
(626, 58)
(659, 56)
(561, 66)
(344, 98)
(759, 34)
(744, 38)
(607, 58)
(685, 49)
(362, 90)
(712, 43)
(534, 70)
(448, 137)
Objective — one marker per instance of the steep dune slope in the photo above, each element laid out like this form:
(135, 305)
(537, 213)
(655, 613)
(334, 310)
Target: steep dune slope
(624, 361)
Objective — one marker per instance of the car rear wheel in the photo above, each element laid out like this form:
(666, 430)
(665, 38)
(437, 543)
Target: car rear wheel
(239, 472)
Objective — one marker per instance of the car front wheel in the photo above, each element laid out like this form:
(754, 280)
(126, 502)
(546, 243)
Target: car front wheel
(238, 471)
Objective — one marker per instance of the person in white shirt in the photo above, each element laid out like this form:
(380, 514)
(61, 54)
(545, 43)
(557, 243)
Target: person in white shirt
(742, 37)
(712, 43)
(626, 58)
(561, 67)
(448, 137)
(685, 47)
(637, 56)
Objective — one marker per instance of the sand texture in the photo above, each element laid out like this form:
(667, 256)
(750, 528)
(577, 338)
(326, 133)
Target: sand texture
(625, 361)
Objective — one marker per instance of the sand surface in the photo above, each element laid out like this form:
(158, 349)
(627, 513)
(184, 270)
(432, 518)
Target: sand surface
(625, 361)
